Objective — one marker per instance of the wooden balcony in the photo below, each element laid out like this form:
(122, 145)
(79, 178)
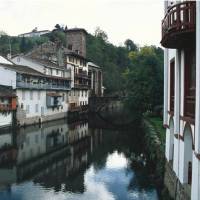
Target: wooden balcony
(82, 75)
(178, 26)
(6, 107)
(83, 86)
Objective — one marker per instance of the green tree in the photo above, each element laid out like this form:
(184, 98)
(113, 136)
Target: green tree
(130, 45)
(144, 79)
(101, 34)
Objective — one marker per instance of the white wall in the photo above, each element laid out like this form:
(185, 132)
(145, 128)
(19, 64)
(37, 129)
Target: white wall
(7, 77)
(39, 98)
(5, 120)
(19, 60)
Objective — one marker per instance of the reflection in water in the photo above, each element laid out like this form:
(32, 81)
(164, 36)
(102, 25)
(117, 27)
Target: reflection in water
(73, 161)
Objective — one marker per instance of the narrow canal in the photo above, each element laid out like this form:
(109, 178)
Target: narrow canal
(86, 160)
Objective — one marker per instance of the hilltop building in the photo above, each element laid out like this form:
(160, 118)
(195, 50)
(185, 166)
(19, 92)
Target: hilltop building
(76, 40)
(181, 39)
(34, 33)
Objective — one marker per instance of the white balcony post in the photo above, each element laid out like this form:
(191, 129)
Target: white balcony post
(166, 95)
(166, 77)
(177, 113)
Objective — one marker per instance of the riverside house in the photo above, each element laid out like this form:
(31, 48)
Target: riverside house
(40, 97)
(181, 39)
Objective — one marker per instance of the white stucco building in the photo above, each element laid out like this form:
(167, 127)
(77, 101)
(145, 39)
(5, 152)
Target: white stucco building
(7, 95)
(40, 97)
(181, 39)
(78, 96)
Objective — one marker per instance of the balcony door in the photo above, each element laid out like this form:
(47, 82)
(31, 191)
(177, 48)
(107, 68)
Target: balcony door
(190, 83)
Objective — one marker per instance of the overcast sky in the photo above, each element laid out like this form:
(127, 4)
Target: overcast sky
(139, 20)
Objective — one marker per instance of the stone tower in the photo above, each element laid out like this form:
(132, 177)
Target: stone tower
(76, 40)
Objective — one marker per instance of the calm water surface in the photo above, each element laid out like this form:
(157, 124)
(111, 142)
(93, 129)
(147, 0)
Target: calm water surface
(82, 160)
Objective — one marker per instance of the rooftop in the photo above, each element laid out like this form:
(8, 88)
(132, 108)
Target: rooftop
(93, 65)
(76, 30)
(27, 70)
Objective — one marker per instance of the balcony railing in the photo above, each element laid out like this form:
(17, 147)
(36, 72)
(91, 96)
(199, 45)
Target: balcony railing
(82, 74)
(81, 86)
(178, 25)
(6, 107)
(40, 86)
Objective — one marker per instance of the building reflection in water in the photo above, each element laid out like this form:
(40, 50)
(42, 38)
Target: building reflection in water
(54, 155)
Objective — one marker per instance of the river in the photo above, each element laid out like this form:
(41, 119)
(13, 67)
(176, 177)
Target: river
(86, 160)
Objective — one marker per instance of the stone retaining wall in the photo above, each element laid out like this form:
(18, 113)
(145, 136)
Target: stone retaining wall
(176, 190)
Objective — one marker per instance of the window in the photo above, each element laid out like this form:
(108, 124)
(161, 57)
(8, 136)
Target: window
(57, 71)
(23, 95)
(63, 97)
(82, 93)
(38, 95)
(70, 46)
(172, 68)
(81, 62)
(27, 109)
(190, 83)
(31, 95)
(36, 108)
(85, 93)
(71, 59)
(50, 71)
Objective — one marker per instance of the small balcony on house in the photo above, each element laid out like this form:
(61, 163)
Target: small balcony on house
(9, 105)
(81, 74)
(6, 107)
(8, 99)
(179, 25)
(81, 86)
(43, 84)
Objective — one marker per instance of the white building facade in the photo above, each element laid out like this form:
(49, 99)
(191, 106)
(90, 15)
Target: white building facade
(79, 95)
(40, 97)
(181, 39)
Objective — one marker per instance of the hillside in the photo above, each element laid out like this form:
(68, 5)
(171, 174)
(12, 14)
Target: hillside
(119, 63)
